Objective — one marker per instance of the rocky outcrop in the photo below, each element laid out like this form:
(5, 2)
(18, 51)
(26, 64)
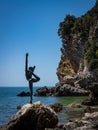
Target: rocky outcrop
(78, 67)
(70, 88)
(35, 116)
(22, 94)
(77, 34)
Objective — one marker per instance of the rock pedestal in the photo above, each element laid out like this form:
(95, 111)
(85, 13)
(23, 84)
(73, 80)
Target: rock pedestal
(35, 116)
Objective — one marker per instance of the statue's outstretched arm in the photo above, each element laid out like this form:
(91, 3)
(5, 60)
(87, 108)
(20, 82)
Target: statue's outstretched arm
(26, 63)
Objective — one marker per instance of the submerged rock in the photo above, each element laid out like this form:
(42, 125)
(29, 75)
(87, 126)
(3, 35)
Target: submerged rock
(57, 107)
(75, 105)
(35, 116)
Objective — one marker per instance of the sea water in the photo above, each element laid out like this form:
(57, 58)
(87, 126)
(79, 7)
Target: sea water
(9, 102)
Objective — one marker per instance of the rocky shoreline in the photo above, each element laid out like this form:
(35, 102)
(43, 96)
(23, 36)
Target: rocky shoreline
(38, 116)
(72, 86)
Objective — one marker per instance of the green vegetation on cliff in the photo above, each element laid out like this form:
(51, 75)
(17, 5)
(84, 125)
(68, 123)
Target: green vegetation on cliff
(80, 25)
(91, 54)
(66, 26)
(83, 27)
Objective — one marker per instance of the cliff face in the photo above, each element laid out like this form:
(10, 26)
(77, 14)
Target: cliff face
(79, 52)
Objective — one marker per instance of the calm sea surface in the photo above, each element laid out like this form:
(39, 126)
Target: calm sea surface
(9, 102)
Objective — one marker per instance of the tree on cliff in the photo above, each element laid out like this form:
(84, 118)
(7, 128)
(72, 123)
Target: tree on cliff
(66, 25)
(85, 30)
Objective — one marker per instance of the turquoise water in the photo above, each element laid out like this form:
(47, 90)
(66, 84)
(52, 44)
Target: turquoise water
(9, 102)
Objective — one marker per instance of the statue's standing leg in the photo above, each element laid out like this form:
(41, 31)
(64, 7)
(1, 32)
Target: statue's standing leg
(31, 90)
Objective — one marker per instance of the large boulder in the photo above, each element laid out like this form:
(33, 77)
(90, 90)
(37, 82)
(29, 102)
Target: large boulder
(35, 116)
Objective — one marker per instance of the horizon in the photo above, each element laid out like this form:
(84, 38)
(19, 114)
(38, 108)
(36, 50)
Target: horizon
(24, 86)
(31, 26)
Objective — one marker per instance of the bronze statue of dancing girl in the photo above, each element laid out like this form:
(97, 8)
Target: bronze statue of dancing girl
(29, 72)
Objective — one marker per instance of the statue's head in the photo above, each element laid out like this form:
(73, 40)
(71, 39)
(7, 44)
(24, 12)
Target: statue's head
(32, 69)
